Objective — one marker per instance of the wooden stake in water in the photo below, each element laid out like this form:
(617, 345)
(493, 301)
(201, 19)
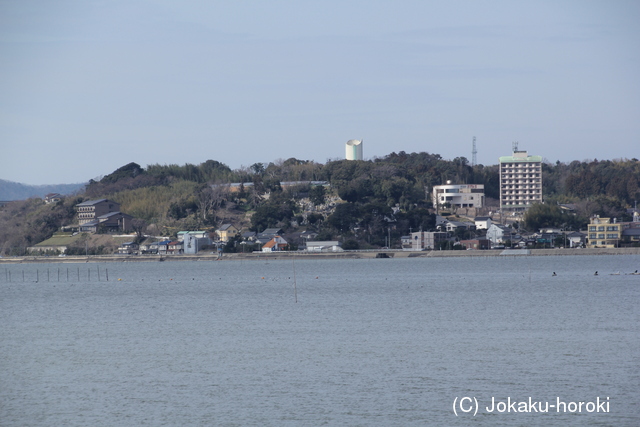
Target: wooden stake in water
(295, 290)
(106, 272)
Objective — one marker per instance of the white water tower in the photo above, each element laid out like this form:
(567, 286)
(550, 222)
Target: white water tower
(354, 149)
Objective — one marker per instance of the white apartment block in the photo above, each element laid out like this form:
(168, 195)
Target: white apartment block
(520, 181)
(458, 195)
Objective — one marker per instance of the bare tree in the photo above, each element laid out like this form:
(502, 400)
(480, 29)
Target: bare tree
(139, 226)
(212, 198)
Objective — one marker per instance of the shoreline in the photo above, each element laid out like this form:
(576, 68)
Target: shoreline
(320, 255)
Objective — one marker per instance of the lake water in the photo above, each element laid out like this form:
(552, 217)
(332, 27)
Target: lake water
(379, 342)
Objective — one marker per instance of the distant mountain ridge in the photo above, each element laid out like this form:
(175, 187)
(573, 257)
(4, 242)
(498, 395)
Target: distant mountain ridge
(10, 190)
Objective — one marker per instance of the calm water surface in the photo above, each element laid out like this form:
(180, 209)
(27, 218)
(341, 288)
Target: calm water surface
(388, 342)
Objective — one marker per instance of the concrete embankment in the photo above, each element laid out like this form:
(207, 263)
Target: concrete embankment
(311, 255)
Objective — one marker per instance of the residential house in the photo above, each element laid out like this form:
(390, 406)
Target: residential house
(576, 239)
(128, 248)
(163, 247)
(267, 235)
(52, 198)
(631, 235)
(226, 232)
(150, 248)
(249, 236)
(482, 222)
(498, 233)
(175, 247)
(92, 209)
(454, 225)
(308, 235)
(277, 243)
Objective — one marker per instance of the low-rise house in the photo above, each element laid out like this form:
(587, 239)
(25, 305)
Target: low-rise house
(631, 235)
(249, 236)
(405, 241)
(52, 198)
(128, 248)
(576, 239)
(150, 248)
(270, 232)
(277, 243)
(308, 235)
(226, 232)
(482, 222)
(163, 247)
(324, 246)
(478, 244)
(175, 248)
(454, 225)
(498, 233)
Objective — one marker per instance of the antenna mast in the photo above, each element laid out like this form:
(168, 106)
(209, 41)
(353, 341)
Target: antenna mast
(514, 146)
(473, 153)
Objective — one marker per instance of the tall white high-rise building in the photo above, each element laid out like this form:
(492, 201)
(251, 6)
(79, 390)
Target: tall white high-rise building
(354, 149)
(520, 181)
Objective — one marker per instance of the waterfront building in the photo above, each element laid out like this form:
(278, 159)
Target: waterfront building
(604, 232)
(520, 181)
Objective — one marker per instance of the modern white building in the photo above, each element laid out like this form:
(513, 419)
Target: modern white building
(354, 149)
(324, 246)
(458, 195)
(520, 181)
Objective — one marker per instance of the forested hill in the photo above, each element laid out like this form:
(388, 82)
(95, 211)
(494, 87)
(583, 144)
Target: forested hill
(15, 191)
(360, 200)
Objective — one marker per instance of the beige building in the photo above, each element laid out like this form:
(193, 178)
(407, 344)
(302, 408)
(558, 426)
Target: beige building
(458, 195)
(226, 232)
(604, 233)
(520, 181)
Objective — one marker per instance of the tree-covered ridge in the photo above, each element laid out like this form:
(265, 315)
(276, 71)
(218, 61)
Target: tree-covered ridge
(363, 197)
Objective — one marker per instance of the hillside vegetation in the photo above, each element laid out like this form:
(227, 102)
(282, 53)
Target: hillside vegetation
(362, 198)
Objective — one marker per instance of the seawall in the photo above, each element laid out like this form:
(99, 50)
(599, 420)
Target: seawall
(324, 255)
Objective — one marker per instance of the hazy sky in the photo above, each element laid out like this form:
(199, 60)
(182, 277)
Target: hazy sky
(88, 86)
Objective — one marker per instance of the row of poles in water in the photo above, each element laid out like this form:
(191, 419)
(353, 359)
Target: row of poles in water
(98, 275)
